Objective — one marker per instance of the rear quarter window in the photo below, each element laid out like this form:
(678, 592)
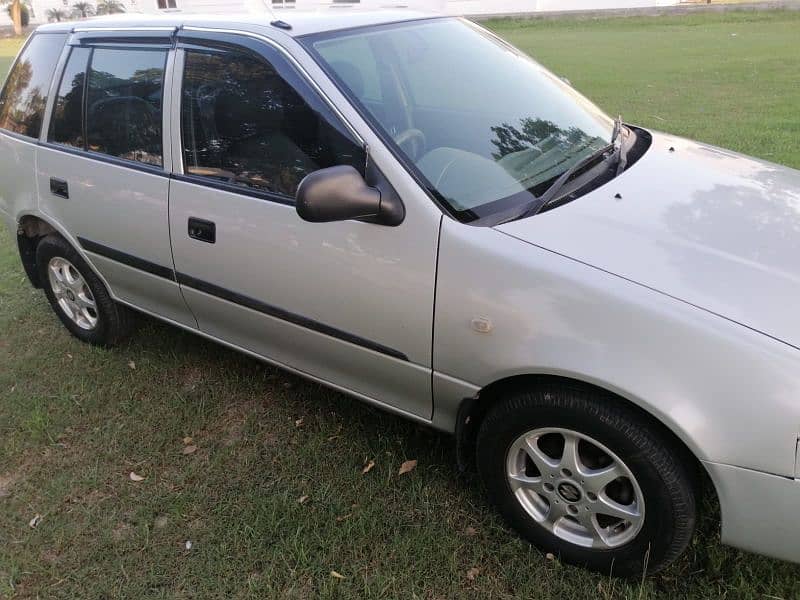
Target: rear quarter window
(24, 95)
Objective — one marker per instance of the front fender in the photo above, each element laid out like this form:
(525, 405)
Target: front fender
(729, 393)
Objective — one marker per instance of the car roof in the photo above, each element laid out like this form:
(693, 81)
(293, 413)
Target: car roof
(302, 23)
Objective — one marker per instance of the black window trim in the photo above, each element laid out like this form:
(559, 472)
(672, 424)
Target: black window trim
(56, 71)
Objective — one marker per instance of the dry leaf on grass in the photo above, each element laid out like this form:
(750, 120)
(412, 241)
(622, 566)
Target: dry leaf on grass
(341, 518)
(368, 467)
(35, 521)
(189, 450)
(337, 575)
(135, 477)
(187, 440)
(407, 467)
(132, 365)
(302, 499)
(299, 422)
(473, 573)
(471, 531)
(550, 556)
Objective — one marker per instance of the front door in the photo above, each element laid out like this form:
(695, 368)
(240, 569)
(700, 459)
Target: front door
(350, 303)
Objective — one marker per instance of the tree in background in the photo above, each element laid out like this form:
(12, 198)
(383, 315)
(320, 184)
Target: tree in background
(15, 11)
(54, 14)
(82, 10)
(109, 7)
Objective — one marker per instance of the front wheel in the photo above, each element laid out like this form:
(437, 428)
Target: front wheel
(587, 479)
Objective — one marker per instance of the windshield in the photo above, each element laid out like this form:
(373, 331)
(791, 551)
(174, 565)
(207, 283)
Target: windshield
(482, 125)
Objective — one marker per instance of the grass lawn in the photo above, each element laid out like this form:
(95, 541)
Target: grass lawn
(75, 420)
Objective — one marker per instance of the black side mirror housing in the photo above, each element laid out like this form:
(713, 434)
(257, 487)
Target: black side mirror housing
(340, 193)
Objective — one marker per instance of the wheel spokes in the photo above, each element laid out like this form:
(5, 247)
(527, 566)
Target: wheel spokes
(570, 463)
(72, 294)
(544, 463)
(596, 480)
(521, 481)
(628, 513)
(572, 494)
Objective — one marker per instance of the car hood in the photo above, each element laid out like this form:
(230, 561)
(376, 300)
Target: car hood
(710, 227)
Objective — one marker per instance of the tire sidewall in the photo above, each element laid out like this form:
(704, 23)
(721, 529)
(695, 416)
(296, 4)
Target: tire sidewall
(631, 446)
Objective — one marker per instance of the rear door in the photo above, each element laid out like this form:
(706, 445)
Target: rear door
(101, 169)
(349, 302)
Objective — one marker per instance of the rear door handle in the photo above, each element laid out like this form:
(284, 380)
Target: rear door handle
(59, 187)
(202, 230)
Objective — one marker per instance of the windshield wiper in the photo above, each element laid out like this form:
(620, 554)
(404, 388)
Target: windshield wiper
(612, 150)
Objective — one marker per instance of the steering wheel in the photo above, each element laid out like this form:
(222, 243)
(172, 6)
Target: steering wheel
(412, 141)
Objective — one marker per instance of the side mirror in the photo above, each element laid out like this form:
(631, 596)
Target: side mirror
(340, 193)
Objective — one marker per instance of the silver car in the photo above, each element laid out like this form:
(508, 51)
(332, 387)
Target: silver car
(409, 210)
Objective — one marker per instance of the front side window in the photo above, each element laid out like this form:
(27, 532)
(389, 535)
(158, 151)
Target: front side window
(485, 127)
(124, 104)
(24, 95)
(244, 125)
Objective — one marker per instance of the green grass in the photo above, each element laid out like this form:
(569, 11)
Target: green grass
(75, 420)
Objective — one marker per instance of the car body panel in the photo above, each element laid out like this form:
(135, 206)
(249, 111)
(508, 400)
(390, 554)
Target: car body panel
(759, 510)
(553, 315)
(17, 172)
(124, 210)
(266, 252)
(710, 227)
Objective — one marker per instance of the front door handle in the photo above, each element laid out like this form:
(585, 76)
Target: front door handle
(202, 230)
(59, 187)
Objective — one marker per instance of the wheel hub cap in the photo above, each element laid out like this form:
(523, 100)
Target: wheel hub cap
(575, 487)
(569, 492)
(72, 294)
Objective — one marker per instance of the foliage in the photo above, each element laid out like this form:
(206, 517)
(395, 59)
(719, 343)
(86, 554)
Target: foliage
(109, 7)
(24, 14)
(58, 15)
(82, 10)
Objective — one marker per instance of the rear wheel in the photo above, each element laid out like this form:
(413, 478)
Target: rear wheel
(78, 296)
(587, 479)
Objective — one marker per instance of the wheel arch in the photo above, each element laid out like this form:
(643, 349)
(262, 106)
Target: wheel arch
(30, 231)
(473, 410)
(32, 227)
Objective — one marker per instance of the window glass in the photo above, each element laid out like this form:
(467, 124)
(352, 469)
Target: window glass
(354, 61)
(488, 128)
(25, 93)
(66, 124)
(123, 108)
(243, 124)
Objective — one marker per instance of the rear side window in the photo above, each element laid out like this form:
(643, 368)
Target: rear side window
(24, 96)
(124, 104)
(66, 124)
(243, 124)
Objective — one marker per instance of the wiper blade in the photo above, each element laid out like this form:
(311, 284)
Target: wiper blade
(612, 149)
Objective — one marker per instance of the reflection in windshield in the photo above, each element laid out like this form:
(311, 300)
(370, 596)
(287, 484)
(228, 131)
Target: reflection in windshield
(485, 127)
(540, 150)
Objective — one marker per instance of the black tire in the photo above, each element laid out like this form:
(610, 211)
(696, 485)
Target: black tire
(114, 321)
(665, 480)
